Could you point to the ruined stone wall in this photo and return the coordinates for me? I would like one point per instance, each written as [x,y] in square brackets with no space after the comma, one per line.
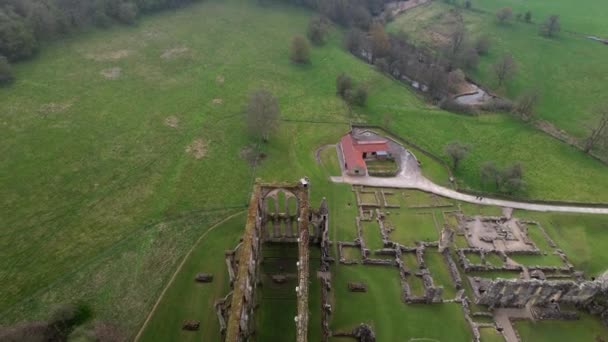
[304,226]
[519,293]
[240,318]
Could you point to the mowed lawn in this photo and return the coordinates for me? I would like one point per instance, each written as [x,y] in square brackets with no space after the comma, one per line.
[100,176]
[583,238]
[382,308]
[568,71]
[189,300]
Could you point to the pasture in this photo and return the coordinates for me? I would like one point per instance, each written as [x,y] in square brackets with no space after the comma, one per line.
[568,71]
[121,147]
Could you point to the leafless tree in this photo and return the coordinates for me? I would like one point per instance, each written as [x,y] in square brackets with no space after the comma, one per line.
[262,114]
[457,40]
[525,104]
[505,69]
[599,132]
[551,27]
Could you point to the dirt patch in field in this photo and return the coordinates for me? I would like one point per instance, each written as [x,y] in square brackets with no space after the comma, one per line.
[197,148]
[251,155]
[217,101]
[172,121]
[52,108]
[109,55]
[219,79]
[111,73]
[175,53]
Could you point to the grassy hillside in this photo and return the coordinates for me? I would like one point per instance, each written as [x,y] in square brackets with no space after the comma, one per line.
[121,147]
[587,16]
[568,71]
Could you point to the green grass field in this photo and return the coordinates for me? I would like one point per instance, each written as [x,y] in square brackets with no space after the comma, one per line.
[585,16]
[107,183]
[568,71]
[585,329]
[582,237]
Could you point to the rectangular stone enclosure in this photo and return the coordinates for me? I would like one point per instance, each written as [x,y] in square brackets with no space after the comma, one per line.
[278,213]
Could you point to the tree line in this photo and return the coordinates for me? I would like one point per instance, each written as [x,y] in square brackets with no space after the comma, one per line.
[24,24]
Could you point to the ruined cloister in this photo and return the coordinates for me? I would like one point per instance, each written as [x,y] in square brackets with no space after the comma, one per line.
[471,248]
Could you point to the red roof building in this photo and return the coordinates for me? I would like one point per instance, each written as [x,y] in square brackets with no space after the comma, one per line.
[355,152]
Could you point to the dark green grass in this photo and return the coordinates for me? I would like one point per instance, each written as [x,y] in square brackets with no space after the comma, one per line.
[490,334]
[371,235]
[542,260]
[381,307]
[588,328]
[411,226]
[440,272]
[582,237]
[186,299]
[494,259]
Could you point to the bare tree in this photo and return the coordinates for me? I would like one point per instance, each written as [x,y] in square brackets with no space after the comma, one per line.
[599,132]
[457,151]
[457,40]
[525,104]
[505,69]
[551,27]
[262,114]
[504,14]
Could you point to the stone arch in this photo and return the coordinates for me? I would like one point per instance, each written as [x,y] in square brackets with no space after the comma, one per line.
[281,198]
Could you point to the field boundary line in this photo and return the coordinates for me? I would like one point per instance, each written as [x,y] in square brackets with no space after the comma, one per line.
[179,268]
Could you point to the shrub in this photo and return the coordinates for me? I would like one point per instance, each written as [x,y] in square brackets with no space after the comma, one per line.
[343,84]
[498,105]
[504,14]
[354,41]
[356,97]
[300,51]
[6,72]
[127,13]
[482,45]
[451,105]
[382,65]
[317,30]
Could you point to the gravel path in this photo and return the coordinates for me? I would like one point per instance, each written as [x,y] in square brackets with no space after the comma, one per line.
[421,183]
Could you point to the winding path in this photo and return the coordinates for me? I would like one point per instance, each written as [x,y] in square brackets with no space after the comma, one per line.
[410,177]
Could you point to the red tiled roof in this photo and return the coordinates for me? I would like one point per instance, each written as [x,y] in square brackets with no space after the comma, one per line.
[352,157]
[353,150]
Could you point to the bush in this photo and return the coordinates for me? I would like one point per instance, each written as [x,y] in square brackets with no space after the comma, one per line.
[300,51]
[127,13]
[482,45]
[382,65]
[356,97]
[317,30]
[451,105]
[354,41]
[343,84]
[6,72]
[498,105]
[16,38]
